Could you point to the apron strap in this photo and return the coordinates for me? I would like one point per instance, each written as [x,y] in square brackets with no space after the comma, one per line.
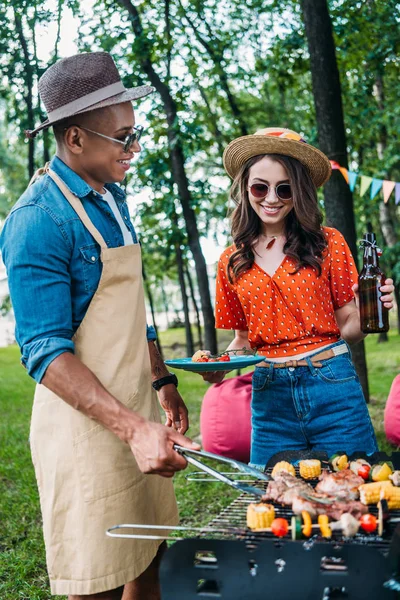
[76,205]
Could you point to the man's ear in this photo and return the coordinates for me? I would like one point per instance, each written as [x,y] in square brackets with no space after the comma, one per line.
[73,139]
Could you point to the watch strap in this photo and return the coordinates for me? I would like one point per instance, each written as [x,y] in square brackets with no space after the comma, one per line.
[159,383]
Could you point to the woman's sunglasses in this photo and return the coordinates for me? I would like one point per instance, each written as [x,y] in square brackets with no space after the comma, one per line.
[261,190]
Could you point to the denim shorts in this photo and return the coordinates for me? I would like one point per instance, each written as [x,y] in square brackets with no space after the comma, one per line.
[309,408]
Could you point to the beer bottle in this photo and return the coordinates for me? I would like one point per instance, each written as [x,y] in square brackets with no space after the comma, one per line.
[374,317]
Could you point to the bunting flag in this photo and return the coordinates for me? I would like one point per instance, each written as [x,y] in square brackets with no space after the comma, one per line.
[352,180]
[388,187]
[365,183]
[375,187]
[374,183]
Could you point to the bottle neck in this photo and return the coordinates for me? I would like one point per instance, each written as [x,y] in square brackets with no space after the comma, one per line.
[370,256]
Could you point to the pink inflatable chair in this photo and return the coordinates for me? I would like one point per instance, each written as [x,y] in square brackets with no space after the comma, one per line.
[392,413]
[225,418]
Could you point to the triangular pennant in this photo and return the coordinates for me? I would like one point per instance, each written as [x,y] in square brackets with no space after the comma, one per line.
[352,179]
[344,172]
[397,193]
[388,187]
[375,187]
[365,183]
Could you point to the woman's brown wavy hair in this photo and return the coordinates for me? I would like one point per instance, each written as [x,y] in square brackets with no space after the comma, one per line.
[305,240]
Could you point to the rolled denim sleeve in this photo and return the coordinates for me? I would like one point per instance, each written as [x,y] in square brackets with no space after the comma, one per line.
[37,256]
[151,333]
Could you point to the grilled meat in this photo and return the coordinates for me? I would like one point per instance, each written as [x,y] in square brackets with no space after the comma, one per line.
[321,504]
[343,485]
[285,488]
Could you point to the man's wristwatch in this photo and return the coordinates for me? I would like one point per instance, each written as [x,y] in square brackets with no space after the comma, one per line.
[159,383]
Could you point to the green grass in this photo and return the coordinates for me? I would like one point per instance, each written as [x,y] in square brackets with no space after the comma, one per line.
[22,564]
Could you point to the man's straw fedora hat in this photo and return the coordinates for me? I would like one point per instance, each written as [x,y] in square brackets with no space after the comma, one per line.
[277,140]
[82,83]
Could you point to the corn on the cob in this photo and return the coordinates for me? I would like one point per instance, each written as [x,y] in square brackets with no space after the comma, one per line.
[392,495]
[260,516]
[310,469]
[283,466]
[370,493]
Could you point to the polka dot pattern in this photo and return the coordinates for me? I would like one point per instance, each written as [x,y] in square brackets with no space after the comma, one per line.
[287,313]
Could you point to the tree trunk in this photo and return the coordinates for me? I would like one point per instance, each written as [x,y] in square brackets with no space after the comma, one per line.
[28,97]
[217,57]
[165,303]
[179,175]
[182,285]
[331,135]
[196,308]
[151,303]
[385,218]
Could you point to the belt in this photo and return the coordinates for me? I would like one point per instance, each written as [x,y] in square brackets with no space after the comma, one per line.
[315,359]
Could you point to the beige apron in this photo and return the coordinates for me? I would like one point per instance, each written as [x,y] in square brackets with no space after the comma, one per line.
[88,479]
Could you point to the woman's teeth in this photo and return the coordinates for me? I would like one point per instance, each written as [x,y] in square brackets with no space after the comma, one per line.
[271,211]
[125,162]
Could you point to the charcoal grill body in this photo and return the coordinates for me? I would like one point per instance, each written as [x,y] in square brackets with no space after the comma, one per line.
[273,571]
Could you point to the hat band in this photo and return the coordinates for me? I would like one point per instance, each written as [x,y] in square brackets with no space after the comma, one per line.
[80,104]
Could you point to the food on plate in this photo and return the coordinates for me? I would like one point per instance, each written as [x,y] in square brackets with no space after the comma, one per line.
[201,356]
[339,462]
[369,523]
[361,468]
[279,527]
[310,469]
[260,516]
[370,493]
[323,522]
[205,356]
[341,484]
[283,466]
[395,478]
[381,472]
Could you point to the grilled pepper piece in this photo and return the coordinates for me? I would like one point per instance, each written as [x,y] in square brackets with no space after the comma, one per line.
[323,522]
[307,523]
[339,462]
[381,472]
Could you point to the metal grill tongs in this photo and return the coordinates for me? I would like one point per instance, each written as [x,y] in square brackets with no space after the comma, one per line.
[239,485]
[160,531]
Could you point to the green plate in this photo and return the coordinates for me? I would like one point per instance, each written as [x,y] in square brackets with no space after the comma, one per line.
[236,362]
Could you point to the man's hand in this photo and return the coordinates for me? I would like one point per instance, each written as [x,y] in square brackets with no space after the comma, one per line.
[174,407]
[152,445]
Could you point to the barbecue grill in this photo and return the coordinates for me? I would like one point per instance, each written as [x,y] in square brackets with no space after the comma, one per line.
[226,560]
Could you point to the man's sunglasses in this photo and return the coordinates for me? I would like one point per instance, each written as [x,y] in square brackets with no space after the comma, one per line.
[261,190]
[128,140]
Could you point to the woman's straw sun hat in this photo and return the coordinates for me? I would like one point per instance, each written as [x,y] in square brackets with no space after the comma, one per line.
[277,140]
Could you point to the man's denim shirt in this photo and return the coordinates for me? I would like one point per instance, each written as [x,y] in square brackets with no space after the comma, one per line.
[53,263]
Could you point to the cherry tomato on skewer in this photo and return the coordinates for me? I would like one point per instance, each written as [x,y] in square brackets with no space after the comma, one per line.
[369,523]
[279,527]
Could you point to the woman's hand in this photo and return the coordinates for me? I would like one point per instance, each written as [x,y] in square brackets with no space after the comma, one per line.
[214,376]
[386,289]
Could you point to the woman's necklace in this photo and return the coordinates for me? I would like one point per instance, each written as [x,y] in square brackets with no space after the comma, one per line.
[272,239]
